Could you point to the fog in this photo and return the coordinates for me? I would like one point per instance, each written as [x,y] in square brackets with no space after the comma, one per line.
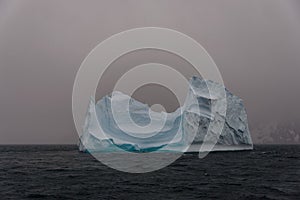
[255,44]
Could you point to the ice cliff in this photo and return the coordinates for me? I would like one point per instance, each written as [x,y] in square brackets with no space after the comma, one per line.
[132,126]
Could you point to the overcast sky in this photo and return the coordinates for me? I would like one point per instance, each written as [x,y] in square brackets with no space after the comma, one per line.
[255,44]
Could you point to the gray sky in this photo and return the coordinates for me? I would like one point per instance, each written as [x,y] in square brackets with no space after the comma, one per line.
[256,45]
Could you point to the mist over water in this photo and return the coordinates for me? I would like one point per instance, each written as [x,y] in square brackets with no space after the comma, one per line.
[254,43]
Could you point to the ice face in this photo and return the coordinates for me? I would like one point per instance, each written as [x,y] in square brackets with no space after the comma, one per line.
[132,126]
[235,130]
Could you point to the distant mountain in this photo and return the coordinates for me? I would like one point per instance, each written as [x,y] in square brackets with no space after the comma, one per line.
[276,133]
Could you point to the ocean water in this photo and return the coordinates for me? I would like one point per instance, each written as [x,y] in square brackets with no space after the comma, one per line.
[61,172]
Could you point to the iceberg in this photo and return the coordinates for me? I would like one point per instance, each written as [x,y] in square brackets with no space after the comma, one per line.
[119,123]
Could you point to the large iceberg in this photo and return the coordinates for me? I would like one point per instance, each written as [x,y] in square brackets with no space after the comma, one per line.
[120,123]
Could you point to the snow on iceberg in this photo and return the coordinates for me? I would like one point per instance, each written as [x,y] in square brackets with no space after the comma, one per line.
[133,127]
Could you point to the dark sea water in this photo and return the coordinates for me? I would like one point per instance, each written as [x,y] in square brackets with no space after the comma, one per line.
[61,172]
